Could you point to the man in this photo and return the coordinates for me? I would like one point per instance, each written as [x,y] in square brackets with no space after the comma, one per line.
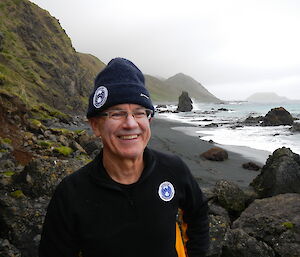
[126,201]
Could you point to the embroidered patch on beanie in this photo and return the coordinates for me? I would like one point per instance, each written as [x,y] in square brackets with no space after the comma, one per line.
[100,97]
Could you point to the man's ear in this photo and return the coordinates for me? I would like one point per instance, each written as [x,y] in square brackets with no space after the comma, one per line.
[94,123]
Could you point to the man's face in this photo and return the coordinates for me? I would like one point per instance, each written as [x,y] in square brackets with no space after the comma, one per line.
[125,138]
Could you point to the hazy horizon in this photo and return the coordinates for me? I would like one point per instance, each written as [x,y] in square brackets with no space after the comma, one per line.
[234,48]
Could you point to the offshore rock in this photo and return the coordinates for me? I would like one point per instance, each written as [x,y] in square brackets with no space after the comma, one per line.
[253,120]
[278,116]
[238,243]
[280,174]
[185,103]
[296,127]
[275,221]
[215,154]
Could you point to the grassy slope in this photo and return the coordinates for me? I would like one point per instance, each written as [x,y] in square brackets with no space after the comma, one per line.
[37,61]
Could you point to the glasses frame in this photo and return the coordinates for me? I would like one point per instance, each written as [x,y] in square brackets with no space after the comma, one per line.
[109,113]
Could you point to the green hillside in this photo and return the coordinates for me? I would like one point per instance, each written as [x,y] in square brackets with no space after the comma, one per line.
[169,90]
[38,63]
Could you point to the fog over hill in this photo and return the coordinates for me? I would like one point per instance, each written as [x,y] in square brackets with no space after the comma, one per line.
[267,97]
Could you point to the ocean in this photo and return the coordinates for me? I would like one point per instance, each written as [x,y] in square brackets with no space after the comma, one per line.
[229,132]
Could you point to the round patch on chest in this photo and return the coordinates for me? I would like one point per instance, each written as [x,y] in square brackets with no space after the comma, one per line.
[166,191]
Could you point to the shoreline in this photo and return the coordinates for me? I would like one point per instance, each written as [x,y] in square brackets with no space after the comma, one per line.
[181,139]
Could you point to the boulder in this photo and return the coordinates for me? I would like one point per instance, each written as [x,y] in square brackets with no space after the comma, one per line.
[184,103]
[275,221]
[253,120]
[280,174]
[215,154]
[41,176]
[278,116]
[238,243]
[218,226]
[91,144]
[295,127]
[251,166]
[230,196]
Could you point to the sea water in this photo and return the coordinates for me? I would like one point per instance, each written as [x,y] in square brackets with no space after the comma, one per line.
[229,129]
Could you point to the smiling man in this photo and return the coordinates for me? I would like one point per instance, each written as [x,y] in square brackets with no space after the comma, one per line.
[126,201]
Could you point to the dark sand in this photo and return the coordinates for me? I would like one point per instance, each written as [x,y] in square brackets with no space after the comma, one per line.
[182,140]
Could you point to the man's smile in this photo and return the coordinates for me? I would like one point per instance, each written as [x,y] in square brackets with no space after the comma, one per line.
[128,137]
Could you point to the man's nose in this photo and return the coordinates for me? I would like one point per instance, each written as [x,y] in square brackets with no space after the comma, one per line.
[130,121]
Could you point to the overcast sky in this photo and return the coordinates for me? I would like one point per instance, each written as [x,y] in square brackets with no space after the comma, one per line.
[234,48]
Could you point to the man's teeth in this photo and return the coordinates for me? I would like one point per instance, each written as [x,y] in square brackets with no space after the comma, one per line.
[129,137]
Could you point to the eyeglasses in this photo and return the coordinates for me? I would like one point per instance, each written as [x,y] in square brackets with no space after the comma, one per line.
[122,114]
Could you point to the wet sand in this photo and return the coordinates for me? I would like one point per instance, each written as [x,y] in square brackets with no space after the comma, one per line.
[182,140]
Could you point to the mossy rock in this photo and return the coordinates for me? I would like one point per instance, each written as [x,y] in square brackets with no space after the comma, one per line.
[84,157]
[6,141]
[63,150]
[36,124]
[288,225]
[8,173]
[46,143]
[62,131]
[17,194]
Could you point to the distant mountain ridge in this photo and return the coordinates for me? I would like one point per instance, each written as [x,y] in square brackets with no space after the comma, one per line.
[267,97]
[171,88]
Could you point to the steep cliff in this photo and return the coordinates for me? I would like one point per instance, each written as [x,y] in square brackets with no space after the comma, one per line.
[37,61]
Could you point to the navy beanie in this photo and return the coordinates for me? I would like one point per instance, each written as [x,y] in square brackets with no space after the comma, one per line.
[120,82]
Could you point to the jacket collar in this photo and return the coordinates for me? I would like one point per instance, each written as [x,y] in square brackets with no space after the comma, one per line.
[99,175]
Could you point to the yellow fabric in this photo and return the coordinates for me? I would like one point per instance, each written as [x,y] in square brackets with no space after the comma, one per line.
[179,243]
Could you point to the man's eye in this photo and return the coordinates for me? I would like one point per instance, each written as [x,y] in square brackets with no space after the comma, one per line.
[118,114]
[140,113]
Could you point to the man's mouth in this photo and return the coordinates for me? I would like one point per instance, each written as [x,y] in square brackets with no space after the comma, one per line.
[128,137]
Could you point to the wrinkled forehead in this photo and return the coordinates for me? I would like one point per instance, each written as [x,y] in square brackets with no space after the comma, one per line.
[125,107]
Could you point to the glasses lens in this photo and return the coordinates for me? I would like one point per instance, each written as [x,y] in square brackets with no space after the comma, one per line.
[117,114]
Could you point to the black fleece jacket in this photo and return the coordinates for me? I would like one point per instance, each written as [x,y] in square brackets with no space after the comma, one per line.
[93,215]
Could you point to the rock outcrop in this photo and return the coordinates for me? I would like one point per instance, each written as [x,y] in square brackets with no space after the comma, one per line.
[185,103]
[280,174]
[237,243]
[29,173]
[277,116]
[267,227]
[274,221]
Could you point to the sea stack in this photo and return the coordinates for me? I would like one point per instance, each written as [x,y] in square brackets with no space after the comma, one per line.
[185,103]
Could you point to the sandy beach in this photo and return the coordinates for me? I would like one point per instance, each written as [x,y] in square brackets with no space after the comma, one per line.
[182,140]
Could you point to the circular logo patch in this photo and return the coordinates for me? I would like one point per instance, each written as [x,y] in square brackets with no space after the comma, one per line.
[166,191]
[100,96]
